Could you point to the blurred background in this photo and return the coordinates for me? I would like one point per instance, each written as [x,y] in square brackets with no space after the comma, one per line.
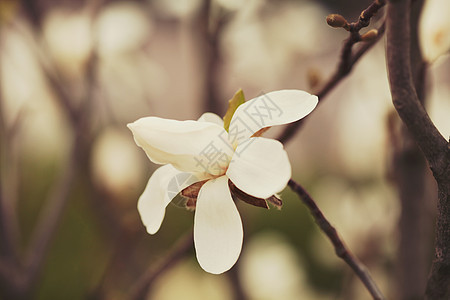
[74,73]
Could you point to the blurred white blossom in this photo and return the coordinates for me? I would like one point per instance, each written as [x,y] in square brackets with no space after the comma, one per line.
[434,30]
[116,162]
[271,269]
[27,99]
[176,8]
[190,284]
[68,34]
[270,37]
[122,27]
[359,214]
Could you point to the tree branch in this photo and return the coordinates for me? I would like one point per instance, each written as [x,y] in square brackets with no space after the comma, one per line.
[347,60]
[433,145]
[408,171]
[339,246]
[404,96]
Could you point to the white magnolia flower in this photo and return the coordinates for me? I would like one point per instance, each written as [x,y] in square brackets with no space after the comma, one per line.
[203,152]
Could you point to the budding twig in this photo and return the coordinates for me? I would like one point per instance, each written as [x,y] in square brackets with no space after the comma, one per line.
[341,250]
[348,58]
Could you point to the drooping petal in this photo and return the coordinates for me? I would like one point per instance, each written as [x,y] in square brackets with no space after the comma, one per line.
[211,118]
[260,167]
[190,146]
[218,229]
[164,184]
[274,108]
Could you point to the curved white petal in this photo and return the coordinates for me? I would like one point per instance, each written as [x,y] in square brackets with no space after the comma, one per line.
[274,108]
[190,146]
[164,184]
[260,167]
[218,229]
[211,118]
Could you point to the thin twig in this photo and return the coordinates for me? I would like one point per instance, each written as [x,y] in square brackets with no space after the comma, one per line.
[143,284]
[347,60]
[341,250]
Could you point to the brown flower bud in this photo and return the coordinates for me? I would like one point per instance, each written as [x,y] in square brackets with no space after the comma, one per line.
[337,21]
[369,35]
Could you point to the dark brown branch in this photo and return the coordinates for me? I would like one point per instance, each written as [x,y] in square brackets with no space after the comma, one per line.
[140,290]
[339,246]
[434,147]
[409,175]
[347,60]
[404,96]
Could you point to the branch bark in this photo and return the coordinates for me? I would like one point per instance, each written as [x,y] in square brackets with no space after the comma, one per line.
[410,176]
[404,96]
[433,145]
[341,250]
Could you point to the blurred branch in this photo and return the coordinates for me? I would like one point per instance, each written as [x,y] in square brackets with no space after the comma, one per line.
[433,145]
[236,282]
[22,277]
[48,65]
[211,29]
[25,274]
[143,284]
[9,226]
[339,247]
[33,12]
[347,59]
[51,214]
[54,208]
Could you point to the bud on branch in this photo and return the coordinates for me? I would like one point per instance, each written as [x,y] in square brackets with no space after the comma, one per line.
[337,21]
[369,35]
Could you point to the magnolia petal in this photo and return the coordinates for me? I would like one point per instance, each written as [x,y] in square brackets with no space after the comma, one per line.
[164,184]
[211,118]
[190,146]
[260,167]
[218,232]
[274,108]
